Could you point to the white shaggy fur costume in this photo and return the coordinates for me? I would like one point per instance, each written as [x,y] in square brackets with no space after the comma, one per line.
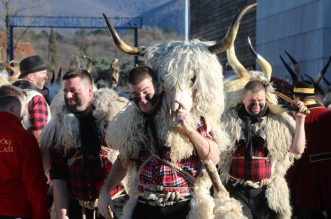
[187,72]
[63,129]
[279,130]
[176,64]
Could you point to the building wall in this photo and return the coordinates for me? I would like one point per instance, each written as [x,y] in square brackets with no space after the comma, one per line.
[301,27]
[210,19]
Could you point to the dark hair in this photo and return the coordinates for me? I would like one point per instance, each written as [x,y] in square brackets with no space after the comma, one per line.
[9,94]
[7,100]
[254,86]
[80,73]
[11,90]
[138,74]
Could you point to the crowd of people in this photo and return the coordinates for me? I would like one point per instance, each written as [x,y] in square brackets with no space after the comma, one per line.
[87,175]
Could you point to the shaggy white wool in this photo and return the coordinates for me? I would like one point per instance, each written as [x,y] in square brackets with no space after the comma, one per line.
[3,79]
[202,204]
[63,129]
[280,130]
[182,68]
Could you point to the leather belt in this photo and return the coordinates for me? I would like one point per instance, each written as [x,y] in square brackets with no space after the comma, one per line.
[320,157]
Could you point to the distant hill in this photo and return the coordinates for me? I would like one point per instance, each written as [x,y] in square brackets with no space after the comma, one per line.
[165,14]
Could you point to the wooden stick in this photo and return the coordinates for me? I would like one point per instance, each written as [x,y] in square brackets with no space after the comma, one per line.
[283,96]
[286,98]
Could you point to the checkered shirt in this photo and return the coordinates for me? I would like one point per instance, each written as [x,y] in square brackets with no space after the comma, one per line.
[38,113]
[156,172]
[84,181]
[257,169]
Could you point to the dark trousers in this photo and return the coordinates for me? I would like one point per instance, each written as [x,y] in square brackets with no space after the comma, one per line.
[146,211]
[254,201]
[75,211]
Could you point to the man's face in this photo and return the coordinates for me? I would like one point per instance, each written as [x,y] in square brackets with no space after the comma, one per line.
[77,94]
[254,102]
[142,93]
[39,78]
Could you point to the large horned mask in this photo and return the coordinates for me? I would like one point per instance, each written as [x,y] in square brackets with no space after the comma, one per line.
[188,72]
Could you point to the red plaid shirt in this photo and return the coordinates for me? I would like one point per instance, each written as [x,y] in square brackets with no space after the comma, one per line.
[156,172]
[257,169]
[84,182]
[38,113]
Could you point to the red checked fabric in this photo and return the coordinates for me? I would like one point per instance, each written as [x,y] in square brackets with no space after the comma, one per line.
[84,182]
[156,172]
[38,113]
[257,169]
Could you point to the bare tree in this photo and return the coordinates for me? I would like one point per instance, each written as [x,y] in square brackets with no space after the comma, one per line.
[20,8]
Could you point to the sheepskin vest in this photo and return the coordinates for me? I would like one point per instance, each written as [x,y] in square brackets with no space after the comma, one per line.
[63,129]
[30,95]
[132,121]
[279,130]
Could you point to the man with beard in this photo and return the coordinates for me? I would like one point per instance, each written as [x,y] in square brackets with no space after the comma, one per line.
[73,140]
[33,77]
[263,146]
[22,179]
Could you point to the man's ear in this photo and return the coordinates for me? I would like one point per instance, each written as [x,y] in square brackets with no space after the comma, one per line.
[29,77]
[13,107]
[90,90]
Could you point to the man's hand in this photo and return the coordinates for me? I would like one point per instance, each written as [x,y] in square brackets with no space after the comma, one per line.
[105,204]
[302,110]
[183,117]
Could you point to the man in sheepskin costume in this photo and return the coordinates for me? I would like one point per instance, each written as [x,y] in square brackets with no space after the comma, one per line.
[72,145]
[171,129]
[164,188]
[263,147]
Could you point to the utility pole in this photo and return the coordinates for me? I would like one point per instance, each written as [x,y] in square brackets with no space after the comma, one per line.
[7,30]
[187,19]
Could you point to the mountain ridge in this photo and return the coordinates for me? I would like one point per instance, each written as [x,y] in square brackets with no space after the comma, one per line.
[164,14]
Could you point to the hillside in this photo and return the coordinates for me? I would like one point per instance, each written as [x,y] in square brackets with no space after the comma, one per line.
[165,14]
[96,44]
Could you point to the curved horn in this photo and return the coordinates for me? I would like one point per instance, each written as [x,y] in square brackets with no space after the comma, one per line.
[53,77]
[115,73]
[121,45]
[264,64]
[59,74]
[15,72]
[310,78]
[228,43]
[10,69]
[88,66]
[326,81]
[293,74]
[320,75]
[295,63]
[230,36]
